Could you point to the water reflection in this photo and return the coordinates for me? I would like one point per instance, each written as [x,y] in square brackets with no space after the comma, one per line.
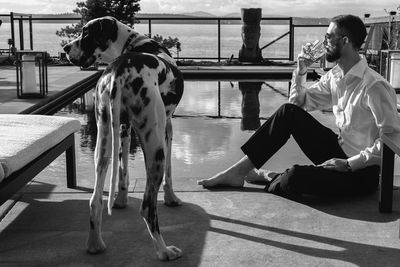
[250,105]
[84,106]
[224,99]
[248,101]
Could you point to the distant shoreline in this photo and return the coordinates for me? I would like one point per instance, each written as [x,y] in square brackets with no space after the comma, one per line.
[66,18]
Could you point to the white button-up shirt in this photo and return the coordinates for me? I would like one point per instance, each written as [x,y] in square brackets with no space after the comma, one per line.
[364,105]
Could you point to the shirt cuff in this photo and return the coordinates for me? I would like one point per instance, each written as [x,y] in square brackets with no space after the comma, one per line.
[299,79]
[356,162]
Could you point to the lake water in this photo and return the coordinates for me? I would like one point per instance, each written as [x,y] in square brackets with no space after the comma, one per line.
[197,40]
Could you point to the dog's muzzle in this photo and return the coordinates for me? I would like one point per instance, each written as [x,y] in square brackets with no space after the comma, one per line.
[79,59]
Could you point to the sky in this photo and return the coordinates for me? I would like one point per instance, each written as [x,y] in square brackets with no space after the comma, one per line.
[295,8]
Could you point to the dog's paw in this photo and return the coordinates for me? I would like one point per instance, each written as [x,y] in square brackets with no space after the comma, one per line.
[121,201]
[170,199]
[120,204]
[171,253]
[95,246]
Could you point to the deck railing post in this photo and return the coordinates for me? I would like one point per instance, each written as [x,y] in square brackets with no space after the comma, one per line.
[12,30]
[21,33]
[150,28]
[291,39]
[219,40]
[30,32]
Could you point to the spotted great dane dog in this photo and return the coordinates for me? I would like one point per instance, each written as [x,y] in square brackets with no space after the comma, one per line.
[140,88]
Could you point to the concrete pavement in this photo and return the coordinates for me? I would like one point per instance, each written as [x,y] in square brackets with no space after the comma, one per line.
[214,228]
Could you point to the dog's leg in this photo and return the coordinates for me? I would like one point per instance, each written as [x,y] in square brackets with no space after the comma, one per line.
[153,145]
[123,184]
[155,170]
[170,199]
[95,243]
[115,105]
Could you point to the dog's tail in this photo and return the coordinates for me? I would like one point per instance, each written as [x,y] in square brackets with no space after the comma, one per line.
[115,123]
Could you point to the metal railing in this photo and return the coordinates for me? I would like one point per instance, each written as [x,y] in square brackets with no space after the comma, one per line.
[28,17]
[20,18]
[219,20]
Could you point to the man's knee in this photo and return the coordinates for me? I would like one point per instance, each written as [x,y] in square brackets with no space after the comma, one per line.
[288,108]
[289,111]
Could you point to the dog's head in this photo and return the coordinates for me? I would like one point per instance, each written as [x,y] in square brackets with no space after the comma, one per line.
[93,43]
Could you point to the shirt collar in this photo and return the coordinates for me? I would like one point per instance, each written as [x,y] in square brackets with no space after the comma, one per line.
[357,70]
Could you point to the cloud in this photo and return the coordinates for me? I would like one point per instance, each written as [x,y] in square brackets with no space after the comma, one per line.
[37,6]
[311,8]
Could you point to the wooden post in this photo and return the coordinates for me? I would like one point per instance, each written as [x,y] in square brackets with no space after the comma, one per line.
[250,50]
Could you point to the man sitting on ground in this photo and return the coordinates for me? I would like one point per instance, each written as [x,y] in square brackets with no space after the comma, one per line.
[364,106]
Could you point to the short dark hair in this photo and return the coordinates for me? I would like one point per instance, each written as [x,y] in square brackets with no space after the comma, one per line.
[352,27]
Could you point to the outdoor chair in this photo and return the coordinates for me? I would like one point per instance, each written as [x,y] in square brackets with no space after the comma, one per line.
[28,144]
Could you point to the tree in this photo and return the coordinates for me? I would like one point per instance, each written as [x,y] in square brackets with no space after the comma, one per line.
[168,42]
[123,10]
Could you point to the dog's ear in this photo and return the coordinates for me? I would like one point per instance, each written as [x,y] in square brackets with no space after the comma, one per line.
[110,28]
[103,31]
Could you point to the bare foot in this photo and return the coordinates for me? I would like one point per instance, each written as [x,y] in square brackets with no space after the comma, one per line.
[260,176]
[222,179]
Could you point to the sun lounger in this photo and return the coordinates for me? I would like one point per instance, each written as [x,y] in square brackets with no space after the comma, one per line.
[28,144]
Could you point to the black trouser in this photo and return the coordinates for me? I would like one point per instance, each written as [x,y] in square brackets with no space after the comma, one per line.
[319,144]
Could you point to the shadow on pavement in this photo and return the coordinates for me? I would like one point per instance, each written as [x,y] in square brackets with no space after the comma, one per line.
[362,208]
[53,233]
[358,254]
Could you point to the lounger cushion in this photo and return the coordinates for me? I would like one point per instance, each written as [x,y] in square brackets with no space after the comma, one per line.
[25,137]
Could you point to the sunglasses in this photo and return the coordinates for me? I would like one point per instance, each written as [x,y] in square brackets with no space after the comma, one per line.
[329,37]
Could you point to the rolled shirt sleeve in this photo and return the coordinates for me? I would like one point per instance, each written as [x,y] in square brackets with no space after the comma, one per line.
[315,97]
[381,100]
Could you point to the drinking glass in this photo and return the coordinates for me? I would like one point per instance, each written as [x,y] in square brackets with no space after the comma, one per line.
[316,50]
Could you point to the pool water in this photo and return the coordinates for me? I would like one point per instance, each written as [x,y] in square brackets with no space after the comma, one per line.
[211,122]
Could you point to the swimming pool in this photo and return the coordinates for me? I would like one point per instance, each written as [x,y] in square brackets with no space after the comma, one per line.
[210,124]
